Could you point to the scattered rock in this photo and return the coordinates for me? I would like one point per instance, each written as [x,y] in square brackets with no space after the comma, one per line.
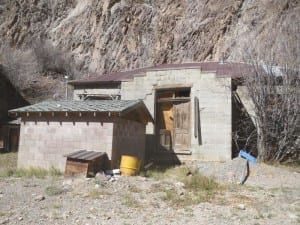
[65,215]
[113,179]
[39,198]
[156,185]
[143,178]
[181,192]
[67,182]
[241,206]
[293,216]
[85,195]
[30,185]
[4,221]
[101,177]
[240,170]
[125,201]
[179,184]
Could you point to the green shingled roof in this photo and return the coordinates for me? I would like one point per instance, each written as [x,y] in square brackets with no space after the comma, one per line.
[79,106]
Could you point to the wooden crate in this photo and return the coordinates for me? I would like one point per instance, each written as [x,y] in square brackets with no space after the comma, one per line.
[85,162]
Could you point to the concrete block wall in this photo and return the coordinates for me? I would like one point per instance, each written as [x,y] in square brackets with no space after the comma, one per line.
[128,139]
[44,144]
[214,95]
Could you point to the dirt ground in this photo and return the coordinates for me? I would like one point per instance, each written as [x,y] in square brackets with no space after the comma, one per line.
[271,195]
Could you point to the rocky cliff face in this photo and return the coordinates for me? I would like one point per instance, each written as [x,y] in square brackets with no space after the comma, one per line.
[113,35]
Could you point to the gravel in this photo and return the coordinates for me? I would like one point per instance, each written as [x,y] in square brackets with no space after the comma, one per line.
[270,196]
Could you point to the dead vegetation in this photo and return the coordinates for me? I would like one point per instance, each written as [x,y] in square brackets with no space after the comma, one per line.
[39,71]
[273,86]
[8,168]
[8,161]
[52,59]
[54,190]
[191,187]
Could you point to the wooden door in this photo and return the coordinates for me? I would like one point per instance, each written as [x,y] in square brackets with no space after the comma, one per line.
[166,117]
[165,125]
[181,131]
[14,139]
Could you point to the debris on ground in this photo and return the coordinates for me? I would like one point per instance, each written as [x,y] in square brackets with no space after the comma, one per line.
[268,192]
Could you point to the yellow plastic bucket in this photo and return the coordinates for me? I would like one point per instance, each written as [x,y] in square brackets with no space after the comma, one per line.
[130,165]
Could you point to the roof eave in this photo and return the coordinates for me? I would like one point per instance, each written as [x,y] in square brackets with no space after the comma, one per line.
[88,82]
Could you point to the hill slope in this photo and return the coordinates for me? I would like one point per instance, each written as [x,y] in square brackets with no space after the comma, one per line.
[112,35]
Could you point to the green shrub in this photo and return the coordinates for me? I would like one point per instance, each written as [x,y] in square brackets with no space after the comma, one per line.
[54,190]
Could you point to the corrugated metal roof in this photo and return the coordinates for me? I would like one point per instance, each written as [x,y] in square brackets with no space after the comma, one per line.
[85,155]
[221,69]
[80,106]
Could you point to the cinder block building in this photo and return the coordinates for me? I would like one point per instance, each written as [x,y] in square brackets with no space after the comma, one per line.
[50,130]
[168,113]
[191,104]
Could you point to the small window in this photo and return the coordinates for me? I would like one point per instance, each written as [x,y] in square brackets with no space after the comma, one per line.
[165,94]
[182,93]
[173,94]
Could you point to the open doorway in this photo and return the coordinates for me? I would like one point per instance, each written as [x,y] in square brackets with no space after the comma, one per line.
[173,120]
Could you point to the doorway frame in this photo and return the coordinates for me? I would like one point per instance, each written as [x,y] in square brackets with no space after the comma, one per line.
[174,89]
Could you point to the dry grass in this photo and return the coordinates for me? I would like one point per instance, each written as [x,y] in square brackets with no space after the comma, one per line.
[198,188]
[54,190]
[130,201]
[98,194]
[191,177]
[157,172]
[8,160]
[3,213]
[8,167]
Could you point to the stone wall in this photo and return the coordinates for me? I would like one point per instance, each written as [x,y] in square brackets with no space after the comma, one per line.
[44,144]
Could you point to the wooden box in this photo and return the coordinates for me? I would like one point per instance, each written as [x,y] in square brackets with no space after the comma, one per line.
[85,162]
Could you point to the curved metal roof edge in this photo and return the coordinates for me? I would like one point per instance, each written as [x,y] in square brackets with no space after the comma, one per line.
[213,66]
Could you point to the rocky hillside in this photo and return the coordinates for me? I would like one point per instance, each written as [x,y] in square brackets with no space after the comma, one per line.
[112,35]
